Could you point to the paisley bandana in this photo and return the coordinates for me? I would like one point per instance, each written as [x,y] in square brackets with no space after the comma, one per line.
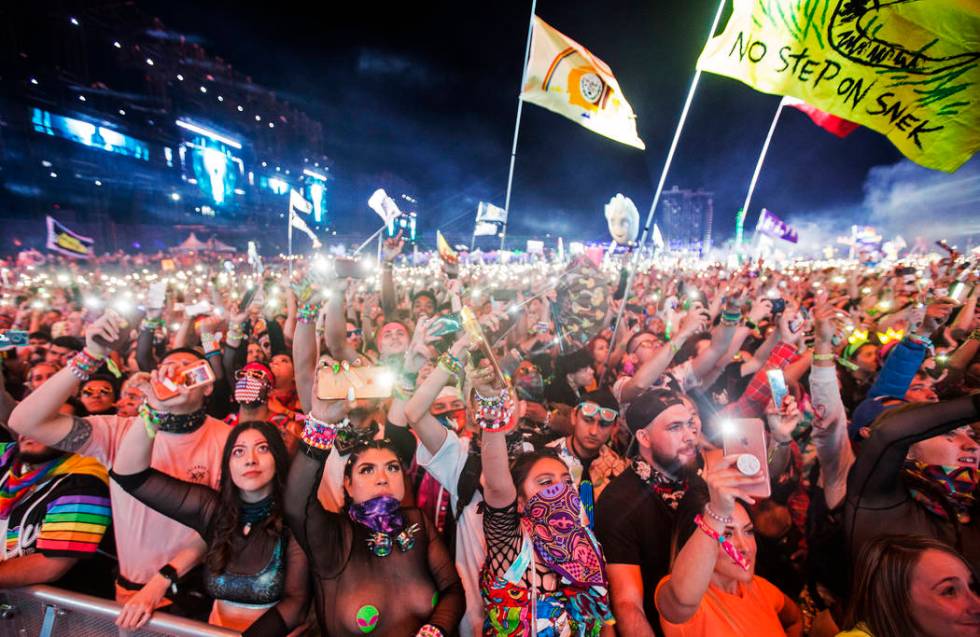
[251,392]
[670,491]
[382,514]
[560,540]
[932,484]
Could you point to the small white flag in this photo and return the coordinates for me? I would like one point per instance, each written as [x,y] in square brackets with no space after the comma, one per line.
[489,212]
[298,203]
[658,239]
[384,206]
[485,229]
[297,222]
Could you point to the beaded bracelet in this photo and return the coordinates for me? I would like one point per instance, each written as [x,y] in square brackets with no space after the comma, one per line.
[83,364]
[974,335]
[319,434]
[430,630]
[708,511]
[150,420]
[308,313]
[450,364]
[726,546]
[496,413]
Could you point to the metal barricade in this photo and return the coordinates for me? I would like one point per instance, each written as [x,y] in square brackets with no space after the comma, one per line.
[44,611]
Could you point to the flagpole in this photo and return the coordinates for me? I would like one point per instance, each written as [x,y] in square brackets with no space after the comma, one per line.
[758,166]
[289,240]
[517,124]
[663,174]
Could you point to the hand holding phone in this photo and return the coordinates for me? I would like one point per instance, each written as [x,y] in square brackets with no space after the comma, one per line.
[745,441]
[167,385]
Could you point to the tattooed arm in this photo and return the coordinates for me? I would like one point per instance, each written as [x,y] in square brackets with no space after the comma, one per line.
[37,415]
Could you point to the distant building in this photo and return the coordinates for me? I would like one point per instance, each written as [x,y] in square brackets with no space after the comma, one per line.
[685,219]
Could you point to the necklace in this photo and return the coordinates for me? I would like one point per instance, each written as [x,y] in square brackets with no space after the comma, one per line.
[252,513]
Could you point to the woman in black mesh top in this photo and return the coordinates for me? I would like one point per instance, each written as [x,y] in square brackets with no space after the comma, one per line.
[378,567]
[255,569]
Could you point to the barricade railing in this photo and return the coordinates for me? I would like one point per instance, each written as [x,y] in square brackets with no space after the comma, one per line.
[44,611]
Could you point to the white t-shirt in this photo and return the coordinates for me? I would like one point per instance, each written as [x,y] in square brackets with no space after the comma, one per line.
[471,547]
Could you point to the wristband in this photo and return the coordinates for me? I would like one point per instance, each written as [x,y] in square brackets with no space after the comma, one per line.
[170,573]
[726,546]
[495,414]
[824,357]
[308,313]
[319,434]
[150,420]
[974,335]
[751,325]
[450,364]
[83,364]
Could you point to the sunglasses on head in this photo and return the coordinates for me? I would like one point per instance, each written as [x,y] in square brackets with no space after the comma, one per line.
[251,373]
[591,410]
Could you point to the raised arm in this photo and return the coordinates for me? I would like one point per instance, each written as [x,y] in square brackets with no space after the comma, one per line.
[679,599]
[499,490]
[830,424]
[876,477]
[449,610]
[431,434]
[37,415]
[654,368]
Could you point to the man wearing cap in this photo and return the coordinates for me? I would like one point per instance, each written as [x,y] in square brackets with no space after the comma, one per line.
[635,515]
[591,462]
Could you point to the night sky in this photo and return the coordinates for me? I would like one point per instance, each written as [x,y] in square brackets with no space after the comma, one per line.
[427,91]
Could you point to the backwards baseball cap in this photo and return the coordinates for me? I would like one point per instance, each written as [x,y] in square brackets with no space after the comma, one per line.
[650,404]
[868,411]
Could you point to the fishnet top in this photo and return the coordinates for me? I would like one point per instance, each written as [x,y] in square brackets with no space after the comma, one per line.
[505,538]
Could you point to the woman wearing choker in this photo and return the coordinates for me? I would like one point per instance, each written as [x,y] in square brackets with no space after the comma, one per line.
[378,567]
[254,568]
[545,573]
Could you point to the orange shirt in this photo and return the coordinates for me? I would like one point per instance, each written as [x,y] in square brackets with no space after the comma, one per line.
[753,611]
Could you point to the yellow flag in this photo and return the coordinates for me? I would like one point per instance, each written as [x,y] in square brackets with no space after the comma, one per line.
[907,69]
[565,78]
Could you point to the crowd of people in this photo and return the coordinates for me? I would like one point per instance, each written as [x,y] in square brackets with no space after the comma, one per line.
[533,448]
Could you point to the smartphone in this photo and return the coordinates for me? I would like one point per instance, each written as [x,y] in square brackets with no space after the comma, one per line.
[777,385]
[16,338]
[348,268]
[247,298]
[200,373]
[197,309]
[156,295]
[355,382]
[748,436]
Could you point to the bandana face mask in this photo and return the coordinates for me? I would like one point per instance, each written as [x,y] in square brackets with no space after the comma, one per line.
[560,541]
[453,420]
[251,392]
[956,485]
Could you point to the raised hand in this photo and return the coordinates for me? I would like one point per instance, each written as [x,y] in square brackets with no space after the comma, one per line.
[725,485]
[104,331]
[783,421]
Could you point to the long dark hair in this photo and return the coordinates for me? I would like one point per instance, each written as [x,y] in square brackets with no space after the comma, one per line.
[229,495]
[881,590]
